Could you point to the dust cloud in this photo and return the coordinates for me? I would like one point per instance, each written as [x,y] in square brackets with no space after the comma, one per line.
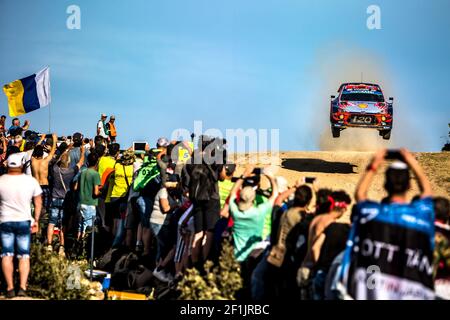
[338,64]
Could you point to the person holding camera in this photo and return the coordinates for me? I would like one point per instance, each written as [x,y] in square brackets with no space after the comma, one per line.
[248,220]
[274,276]
[397,177]
[200,179]
[39,169]
[63,176]
[393,239]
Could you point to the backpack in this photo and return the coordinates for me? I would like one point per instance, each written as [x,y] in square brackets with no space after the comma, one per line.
[126,263]
[146,173]
[109,259]
[202,180]
[288,221]
[140,278]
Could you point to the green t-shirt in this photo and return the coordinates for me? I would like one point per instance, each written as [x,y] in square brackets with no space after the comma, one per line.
[248,227]
[88,179]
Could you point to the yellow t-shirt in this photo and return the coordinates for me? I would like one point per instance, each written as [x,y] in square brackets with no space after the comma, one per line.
[120,183]
[104,163]
[107,162]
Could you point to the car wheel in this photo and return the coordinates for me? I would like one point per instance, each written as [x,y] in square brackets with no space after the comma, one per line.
[386,134]
[336,132]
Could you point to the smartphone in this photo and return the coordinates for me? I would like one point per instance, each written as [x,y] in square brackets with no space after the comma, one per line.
[310,179]
[257,171]
[393,155]
[139,146]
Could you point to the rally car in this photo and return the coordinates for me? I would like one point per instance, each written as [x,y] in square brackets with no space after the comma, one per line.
[361,105]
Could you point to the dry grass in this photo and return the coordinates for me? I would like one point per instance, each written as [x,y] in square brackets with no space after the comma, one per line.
[437,168]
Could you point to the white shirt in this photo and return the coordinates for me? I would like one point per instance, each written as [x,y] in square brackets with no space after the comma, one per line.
[102,129]
[27,160]
[16,194]
[157,216]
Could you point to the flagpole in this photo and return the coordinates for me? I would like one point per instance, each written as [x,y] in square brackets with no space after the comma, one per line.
[49,108]
[49,119]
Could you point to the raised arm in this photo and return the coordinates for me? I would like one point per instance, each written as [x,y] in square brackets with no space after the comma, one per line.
[53,150]
[26,125]
[286,194]
[238,184]
[274,185]
[367,176]
[41,139]
[424,183]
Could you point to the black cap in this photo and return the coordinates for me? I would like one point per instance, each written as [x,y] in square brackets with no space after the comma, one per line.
[77,137]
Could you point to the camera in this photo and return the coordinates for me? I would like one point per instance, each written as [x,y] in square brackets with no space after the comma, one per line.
[394,155]
[139,147]
[310,179]
[257,171]
[252,181]
[213,148]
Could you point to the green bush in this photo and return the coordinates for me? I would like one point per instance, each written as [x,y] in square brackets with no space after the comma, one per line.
[56,278]
[219,283]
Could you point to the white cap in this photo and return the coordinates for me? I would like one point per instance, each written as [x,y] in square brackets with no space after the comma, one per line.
[16,160]
[162,142]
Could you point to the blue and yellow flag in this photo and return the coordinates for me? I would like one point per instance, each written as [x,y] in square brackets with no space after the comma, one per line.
[28,94]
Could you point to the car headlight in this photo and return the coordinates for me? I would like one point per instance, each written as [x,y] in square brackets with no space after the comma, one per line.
[383,118]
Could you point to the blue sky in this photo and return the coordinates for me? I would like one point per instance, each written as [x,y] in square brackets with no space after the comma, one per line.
[161,65]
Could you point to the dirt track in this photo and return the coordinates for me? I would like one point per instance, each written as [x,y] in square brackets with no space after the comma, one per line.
[342,169]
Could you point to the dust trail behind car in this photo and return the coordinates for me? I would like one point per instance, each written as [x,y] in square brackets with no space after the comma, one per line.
[349,65]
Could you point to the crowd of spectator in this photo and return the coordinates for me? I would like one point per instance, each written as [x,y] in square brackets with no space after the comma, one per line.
[175,203]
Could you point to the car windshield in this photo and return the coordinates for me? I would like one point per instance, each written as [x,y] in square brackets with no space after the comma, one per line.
[359,96]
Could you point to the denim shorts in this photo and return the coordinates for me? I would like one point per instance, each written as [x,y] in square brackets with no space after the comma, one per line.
[46,197]
[145,207]
[87,217]
[16,238]
[56,213]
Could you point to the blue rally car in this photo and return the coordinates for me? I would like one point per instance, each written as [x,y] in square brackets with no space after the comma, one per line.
[361,105]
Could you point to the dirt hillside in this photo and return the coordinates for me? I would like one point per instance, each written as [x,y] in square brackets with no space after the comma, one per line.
[342,169]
